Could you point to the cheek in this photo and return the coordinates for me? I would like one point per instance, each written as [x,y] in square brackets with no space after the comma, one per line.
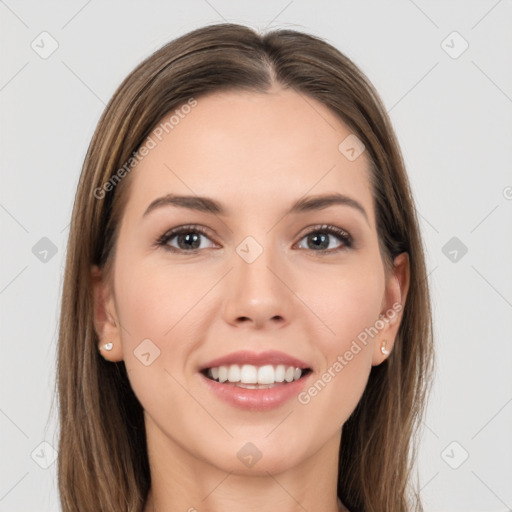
[348,304]
[347,351]
[345,301]
[155,302]
[153,308]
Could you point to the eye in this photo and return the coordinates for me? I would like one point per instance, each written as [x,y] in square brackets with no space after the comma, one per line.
[188,239]
[322,236]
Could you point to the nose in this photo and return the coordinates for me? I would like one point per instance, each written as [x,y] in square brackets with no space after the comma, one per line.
[259,293]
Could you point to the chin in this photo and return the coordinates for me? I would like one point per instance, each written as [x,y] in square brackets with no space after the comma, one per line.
[258,456]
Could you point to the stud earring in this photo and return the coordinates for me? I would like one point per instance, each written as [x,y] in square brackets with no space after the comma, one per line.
[383,348]
[108,346]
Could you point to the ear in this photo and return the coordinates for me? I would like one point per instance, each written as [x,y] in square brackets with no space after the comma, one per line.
[397,287]
[106,324]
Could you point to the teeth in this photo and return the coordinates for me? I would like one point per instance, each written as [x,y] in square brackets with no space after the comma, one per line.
[250,374]
[266,374]
[288,376]
[234,373]
[279,373]
[223,373]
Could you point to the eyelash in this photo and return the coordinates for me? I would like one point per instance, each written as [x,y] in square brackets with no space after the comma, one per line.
[343,236]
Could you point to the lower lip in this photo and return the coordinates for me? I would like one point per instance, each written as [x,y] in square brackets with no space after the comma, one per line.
[257,399]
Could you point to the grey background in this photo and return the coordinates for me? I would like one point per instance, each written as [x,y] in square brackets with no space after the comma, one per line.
[453,120]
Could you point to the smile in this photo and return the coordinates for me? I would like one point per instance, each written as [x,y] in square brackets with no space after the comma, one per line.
[256,395]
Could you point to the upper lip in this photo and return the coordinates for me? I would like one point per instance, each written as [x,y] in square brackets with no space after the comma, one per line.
[272,357]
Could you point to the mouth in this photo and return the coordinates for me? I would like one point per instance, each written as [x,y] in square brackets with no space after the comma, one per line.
[249,376]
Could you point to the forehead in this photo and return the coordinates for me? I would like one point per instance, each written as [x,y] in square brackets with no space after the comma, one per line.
[251,150]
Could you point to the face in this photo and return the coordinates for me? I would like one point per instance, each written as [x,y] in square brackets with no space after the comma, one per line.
[251,274]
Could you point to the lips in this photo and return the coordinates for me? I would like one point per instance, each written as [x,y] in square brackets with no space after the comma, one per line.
[256,381]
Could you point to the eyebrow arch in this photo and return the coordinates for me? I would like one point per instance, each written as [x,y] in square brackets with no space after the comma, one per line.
[319,202]
[207,205]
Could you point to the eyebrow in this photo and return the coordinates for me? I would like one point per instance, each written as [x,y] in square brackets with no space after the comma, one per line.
[208,205]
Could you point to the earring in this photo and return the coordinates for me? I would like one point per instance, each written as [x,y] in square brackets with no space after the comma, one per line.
[108,346]
[383,348]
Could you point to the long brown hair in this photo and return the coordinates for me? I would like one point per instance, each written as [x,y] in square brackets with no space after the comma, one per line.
[103,462]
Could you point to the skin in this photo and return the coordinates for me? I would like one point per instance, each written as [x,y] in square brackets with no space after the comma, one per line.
[256,154]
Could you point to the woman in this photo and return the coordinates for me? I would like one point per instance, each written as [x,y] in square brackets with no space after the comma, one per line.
[244,255]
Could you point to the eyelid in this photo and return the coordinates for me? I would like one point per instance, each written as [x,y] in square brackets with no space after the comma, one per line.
[324,227]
